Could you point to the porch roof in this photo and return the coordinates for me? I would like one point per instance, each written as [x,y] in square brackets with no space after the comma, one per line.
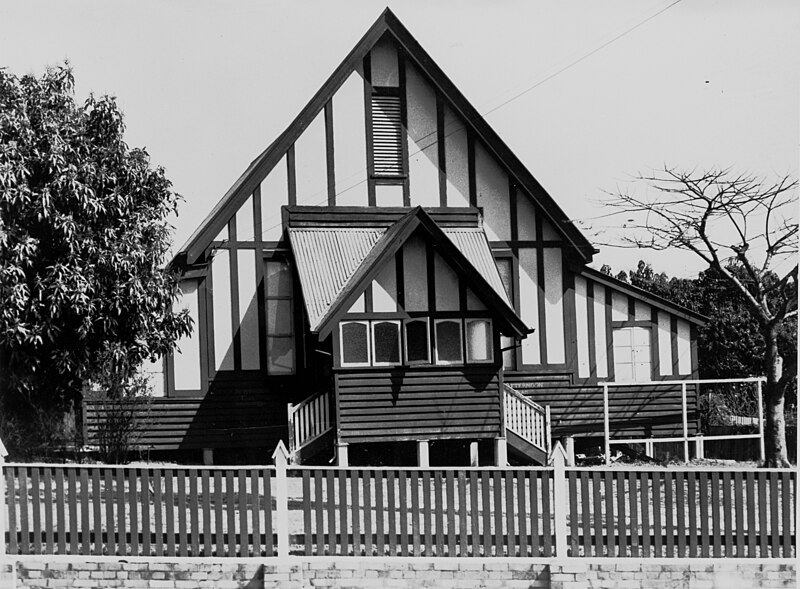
[335,264]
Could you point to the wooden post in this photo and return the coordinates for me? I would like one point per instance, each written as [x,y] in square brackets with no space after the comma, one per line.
[341,454]
[423,453]
[761,423]
[699,447]
[3,506]
[569,449]
[500,452]
[558,461]
[685,411]
[473,453]
[290,421]
[208,456]
[606,425]
[548,433]
[281,458]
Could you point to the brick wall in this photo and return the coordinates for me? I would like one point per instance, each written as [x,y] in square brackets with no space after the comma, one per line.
[401,573]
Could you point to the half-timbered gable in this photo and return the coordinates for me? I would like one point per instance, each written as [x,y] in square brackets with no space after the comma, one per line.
[389,249]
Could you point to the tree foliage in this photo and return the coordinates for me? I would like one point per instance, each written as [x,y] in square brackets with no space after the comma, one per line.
[745,229]
[83,240]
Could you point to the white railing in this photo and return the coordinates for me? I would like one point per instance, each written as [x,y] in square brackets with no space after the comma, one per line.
[685,438]
[527,419]
[308,420]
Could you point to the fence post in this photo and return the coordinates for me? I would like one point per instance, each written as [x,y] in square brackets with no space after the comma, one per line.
[558,461]
[685,411]
[606,426]
[3,506]
[281,458]
[761,423]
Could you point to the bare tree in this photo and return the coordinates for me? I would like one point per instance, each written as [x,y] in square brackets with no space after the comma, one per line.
[745,227]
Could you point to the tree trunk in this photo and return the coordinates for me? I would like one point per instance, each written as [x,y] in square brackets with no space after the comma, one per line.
[775,430]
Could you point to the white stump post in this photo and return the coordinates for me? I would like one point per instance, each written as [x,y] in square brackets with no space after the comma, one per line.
[3,506]
[342,459]
[473,454]
[685,411]
[606,426]
[761,423]
[423,454]
[500,452]
[558,460]
[281,458]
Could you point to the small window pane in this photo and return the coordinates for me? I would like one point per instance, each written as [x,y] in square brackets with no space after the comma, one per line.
[448,341]
[355,348]
[417,341]
[479,340]
[280,355]
[279,317]
[387,342]
[509,356]
[279,278]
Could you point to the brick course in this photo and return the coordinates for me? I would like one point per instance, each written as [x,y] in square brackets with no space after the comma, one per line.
[365,573]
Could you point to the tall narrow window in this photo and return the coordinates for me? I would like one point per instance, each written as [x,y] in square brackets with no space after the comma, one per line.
[448,341]
[506,268]
[479,340]
[418,350]
[280,323]
[386,342]
[387,135]
[354,343]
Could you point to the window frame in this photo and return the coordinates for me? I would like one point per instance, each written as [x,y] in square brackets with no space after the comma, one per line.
[371,351]
[428,360]
[490,343]
[366,323]
[268,336]
[436,360]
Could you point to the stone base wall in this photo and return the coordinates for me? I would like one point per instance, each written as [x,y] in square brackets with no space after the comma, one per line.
[296,573]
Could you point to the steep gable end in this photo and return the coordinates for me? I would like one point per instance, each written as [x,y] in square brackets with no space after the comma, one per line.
[388,128]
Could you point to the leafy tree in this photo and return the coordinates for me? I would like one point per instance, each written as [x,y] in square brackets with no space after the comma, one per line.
[745,229]
[83,239]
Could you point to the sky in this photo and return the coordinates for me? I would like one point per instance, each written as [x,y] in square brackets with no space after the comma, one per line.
[587,94]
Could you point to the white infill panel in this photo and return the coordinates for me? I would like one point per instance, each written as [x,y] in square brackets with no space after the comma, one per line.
[582,326]
[186,359]
[223,333]
[350,143]
[684,348]
[455,147]
[274,194]
[600,335]
[311,165]
[619,307]
[245,229]
[526,218]
[529,304]
[664,344]
[423,145]
[383,61]
[446,290]
[384,289]
[492,187]
[554,306]
[248,309]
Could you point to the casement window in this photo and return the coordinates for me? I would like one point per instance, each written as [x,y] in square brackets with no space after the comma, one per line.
[632,354]
[418,341]
[386,343]
[479,340]
[387,135]
[278,293]
[447,334]
[354,343]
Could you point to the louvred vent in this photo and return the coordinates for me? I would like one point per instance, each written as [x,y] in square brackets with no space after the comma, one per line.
[387,136]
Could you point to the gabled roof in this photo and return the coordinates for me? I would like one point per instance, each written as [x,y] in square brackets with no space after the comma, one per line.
[387,22]
[336,265]
[648,297]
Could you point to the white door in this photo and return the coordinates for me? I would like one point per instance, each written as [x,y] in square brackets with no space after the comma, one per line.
[632,360]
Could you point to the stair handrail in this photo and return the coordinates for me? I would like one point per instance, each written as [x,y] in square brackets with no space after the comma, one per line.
[538,432]
[308,420]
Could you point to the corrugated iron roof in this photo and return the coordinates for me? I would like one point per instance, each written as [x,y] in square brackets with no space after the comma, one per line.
[473,243]
[326,259]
